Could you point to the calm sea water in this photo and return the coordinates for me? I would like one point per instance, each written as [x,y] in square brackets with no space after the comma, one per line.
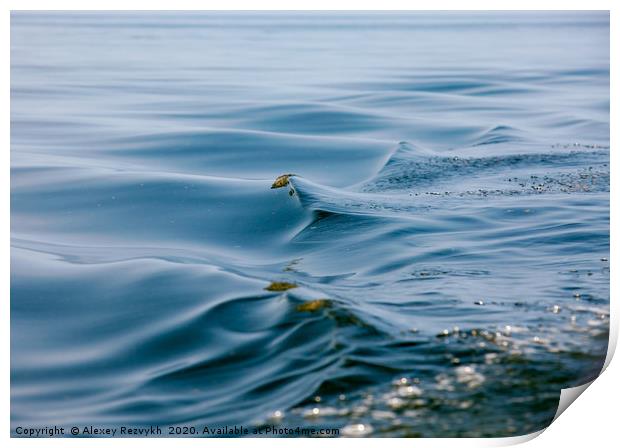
[447,228]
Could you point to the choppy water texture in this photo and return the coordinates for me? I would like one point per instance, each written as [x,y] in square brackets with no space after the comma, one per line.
[446,230]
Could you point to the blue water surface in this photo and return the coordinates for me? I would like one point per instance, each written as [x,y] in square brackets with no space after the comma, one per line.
[446,227]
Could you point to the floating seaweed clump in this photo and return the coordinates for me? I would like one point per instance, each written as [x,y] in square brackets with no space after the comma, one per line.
[280,286]
[314,305]
[281,181]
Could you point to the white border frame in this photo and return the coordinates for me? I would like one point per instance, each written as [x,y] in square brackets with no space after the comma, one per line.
[591,421]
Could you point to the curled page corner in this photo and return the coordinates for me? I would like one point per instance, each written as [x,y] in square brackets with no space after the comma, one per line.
[517,440]
[568,396]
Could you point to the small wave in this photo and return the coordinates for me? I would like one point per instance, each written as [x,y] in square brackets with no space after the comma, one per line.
[400,186]
[498,134]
